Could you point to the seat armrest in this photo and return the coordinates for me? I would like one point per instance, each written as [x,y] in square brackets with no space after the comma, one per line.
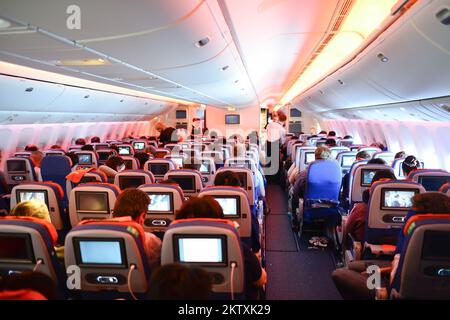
[380,249]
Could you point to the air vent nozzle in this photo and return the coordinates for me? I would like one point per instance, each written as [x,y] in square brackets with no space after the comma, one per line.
[444,16]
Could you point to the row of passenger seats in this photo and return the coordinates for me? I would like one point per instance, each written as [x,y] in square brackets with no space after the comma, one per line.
[110,253]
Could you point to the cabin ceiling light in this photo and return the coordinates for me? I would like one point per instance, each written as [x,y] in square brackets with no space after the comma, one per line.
[85,62]
[4,24]
[355,29]
[231,109]
[382,57]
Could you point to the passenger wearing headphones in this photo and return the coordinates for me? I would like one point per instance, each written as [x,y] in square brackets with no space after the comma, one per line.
[409,165]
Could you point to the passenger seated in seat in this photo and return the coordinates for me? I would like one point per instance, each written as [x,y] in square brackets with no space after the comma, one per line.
[80,142]
[330,142]
[115,163]
[231,179]
[208,207]
[36,157]
[31,148]
[95,139]
[357,218]
[351,282]
[376,161]
[360,156]
[410,164]
[142,158]
[179,282]
[87,147]
[27,285]
[38,210]
[321,153]
[400,155]
[132,205]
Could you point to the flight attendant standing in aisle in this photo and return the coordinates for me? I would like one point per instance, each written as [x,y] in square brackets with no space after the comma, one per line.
[276,135]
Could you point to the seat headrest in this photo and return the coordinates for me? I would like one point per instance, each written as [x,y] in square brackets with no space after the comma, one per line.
[23,294]
[133,227]
[412,222]
[47,225]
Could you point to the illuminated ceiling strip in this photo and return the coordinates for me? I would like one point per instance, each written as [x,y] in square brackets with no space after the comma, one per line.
[112,59]
[350,30]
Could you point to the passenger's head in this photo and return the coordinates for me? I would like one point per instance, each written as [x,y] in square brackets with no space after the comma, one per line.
[115,163]
[133,203]
[73,157]
[376,161]
[31,208]
[36,157]
[80,142]
[330,142]
[179,282]
[348,137]
[400,155]
[168,135]
[159,127]
[142,157]
[193,165]
[380,175]
[322,153]
[332,134]
[56,147]
[205,207]
[227,178]
[31,280]
[323,132]
[383,175]
[31,148]
[239,150]
[169,182]
[95,139]
[410,164]
[431,202]
[362,155]
[87,147]
[281,116]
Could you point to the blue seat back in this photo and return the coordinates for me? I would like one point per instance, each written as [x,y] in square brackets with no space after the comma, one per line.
[56,169]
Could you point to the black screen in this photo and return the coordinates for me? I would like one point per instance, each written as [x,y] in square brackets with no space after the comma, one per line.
[158,169]
[16,247]
[232,119]
[295,112]
[180,114]
[92,202]
[130,182]
[16,165]
[433,183]
[103,156]
[185,183]
[436,245]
